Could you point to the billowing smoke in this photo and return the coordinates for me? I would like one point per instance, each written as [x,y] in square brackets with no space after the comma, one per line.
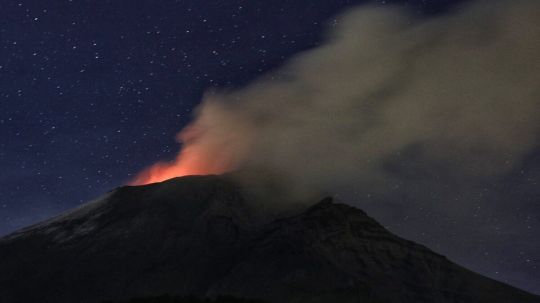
[460,92]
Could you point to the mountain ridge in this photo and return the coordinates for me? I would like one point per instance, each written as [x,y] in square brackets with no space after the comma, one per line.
[198,235]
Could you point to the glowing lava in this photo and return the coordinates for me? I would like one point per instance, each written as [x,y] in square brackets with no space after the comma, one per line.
[189,162]
[217,141]
[197,157]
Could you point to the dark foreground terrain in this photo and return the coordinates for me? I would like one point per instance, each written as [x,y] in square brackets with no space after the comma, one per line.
[199,236]
[186,299]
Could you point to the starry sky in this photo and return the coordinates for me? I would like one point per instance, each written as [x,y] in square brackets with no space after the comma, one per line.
[91,92]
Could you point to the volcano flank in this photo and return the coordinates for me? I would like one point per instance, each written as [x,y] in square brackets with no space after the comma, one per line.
[200,235]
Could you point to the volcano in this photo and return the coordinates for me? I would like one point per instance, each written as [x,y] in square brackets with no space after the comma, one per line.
[199,235]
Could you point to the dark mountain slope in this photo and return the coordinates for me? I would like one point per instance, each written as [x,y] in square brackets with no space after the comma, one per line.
[197,235]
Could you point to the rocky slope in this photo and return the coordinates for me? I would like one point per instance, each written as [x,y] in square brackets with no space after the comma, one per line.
[197,235]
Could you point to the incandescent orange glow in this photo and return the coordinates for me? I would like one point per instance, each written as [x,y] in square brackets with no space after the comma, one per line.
[197,157]
[191,161]
[217,141]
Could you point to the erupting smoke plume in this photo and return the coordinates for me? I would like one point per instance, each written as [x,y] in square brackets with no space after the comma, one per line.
[462,90]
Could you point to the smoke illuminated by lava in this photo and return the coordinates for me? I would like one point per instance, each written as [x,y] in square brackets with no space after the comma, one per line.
[195,159]
[461,90]
[191,161]
[207,147]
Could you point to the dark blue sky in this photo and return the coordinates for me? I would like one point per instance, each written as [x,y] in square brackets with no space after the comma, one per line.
[91,92]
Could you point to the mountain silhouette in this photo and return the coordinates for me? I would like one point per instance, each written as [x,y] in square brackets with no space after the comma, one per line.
[199,235]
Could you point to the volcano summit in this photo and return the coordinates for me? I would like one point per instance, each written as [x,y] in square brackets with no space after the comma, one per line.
[199,235]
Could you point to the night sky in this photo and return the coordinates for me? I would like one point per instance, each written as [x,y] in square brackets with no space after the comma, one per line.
[91,92]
